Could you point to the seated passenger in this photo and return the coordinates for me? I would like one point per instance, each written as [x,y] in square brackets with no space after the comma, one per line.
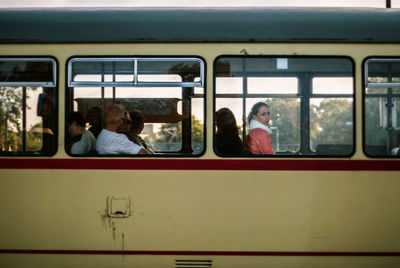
[80,141]
[137,125]
[111,140]
[227,140]
[258,141]
[395,151]
[94,119]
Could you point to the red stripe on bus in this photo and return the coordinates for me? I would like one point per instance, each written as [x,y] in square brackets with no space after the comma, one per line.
[199,164]
[200,253]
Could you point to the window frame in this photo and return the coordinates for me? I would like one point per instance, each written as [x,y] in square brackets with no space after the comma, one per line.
[54,108]
[135,84]
[32,84]
[300,94]
[365,85]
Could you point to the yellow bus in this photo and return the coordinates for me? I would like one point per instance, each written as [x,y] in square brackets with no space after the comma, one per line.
[328,196]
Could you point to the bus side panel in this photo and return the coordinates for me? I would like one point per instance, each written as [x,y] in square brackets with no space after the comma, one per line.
[258,211]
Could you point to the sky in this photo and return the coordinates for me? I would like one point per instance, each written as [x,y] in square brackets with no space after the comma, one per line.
[198,3]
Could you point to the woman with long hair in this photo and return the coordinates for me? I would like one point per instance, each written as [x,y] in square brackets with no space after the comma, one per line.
[227,140]
[258,141]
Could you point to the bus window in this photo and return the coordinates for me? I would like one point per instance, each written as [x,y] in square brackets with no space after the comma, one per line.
[310,101]
[169,92]
[382,107]
[28,106]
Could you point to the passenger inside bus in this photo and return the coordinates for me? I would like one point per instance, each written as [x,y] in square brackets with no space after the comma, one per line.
[258,141]
[227,140]
[80,141]
[137,125]
[111,139]
[125,127]
[94,119]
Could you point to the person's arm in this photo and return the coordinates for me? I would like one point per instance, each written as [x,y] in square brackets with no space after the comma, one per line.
[265,143]
[144,151]
[129,147]
[79,147]
[259,142]
[251,143]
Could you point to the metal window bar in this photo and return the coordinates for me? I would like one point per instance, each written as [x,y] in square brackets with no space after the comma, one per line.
[382,85]
[113,77]
[271,96]
[244,118]
[135,83]
[135,70]
[102,95]
[24,108]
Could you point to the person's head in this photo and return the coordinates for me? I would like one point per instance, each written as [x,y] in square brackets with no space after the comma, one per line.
[260,112]
[137,124]
[76,124]
[225,121]
[93,116]
[116,118]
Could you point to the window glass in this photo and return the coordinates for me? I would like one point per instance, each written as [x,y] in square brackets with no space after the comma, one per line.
[27,71]
[183,70]
[28,106]
[167,92]
[333,85]
[309,99]
[382,107]
[382,70]
[379,90]
[90,70]
[285,129]
[229,85]
[272,85]
[331,123]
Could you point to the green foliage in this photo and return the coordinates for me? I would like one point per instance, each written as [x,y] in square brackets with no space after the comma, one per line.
[375,135]
[285,115]
[11,106]
[332,122]
[10,117]
[34,138]
[197,130]
[11,129]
